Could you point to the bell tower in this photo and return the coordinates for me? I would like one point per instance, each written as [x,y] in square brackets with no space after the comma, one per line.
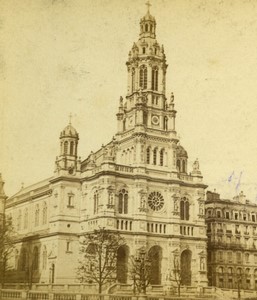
[146,104]
[68,161]
[146,116]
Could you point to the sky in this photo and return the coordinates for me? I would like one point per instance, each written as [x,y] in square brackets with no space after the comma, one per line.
[68,56]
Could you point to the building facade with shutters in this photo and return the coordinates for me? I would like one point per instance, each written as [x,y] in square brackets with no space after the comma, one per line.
[232,242]
[138,184]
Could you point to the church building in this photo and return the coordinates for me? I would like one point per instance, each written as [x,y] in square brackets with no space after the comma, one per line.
[139,184]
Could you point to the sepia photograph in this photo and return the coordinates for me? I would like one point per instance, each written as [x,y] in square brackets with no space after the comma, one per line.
[128,149]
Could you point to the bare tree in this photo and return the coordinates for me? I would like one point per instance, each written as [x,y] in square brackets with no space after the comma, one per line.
[177,273]
[141,271]
[6,246]
[99,257]
[29,259]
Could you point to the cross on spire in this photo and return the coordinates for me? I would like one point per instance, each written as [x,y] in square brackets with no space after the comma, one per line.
[148,4]
[70,116]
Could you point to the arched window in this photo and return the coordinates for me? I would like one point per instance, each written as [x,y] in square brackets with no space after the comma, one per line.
[184,209]
[71,148]
[96,202]
[44,258]
[122,264]
[145,118]
[23,259]
[161,157]
[44,213]
[65,147]
[133,80]
[178,165]
[146,27]
[35,259]
[165,123]
[148,151]
[19,220]
[143,77]
[143,50]
[183,166]
[123,202]
[155,156]
[37,215]
[155,79]
[16,256]
[26,216]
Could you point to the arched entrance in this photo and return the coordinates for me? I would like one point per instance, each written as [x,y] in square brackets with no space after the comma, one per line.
[122,264]
[155,257]
[185,263]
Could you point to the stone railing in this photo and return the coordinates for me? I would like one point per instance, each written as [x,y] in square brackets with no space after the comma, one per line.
[50,295]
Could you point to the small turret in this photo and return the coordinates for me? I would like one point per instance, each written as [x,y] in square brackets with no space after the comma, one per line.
[68,159]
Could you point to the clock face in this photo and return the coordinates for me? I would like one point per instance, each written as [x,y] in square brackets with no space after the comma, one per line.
[155,120]
[155,201]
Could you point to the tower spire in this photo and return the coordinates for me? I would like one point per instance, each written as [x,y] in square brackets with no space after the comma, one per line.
[148,4]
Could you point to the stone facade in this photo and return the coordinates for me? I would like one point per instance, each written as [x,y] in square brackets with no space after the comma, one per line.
[137,184]
[232,242]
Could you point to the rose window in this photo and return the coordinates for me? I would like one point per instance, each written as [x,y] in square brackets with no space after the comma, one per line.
[155,201]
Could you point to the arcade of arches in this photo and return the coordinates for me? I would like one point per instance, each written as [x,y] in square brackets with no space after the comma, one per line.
[155,257]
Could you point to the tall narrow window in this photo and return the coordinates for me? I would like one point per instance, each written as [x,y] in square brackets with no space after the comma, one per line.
[123,202]
[96,202]
[26,216]
[35,259]
[145,118]
[71,148]
[148,155]
[155,79]
[178,165]
[161,157]
[165,123]
[143,77]
[184,209]
[183,166]
[70,200]
[44,258]
[23,259]
[133,80]
[44,214]
[19,220]
[37,215]
[65,147]
[155,156]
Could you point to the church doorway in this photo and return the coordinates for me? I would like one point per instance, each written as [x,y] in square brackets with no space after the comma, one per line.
[185,263]
[155,257]
[122,264]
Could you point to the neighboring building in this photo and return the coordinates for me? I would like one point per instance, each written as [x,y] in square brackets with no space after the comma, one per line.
[137,184]
[3,198]
[232,242]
